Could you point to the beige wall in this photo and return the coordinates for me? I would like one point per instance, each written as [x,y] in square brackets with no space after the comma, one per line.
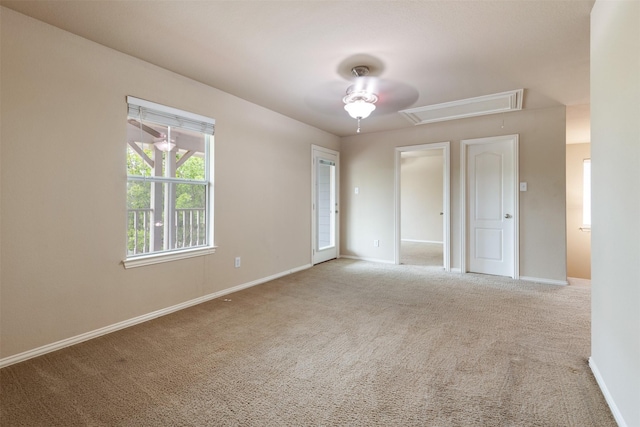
[421,202]
[64,180]
[368,163]
[615,238]
[578,241]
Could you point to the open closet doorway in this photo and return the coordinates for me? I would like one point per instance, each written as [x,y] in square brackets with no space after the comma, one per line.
[423,205]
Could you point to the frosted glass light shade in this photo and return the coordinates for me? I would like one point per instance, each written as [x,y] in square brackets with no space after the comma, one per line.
[164,145]
[359,109]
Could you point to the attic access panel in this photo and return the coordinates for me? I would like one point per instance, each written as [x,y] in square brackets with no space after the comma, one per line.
[470,107]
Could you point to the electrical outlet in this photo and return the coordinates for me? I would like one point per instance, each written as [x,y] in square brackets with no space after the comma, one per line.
[376,243]
[237,262]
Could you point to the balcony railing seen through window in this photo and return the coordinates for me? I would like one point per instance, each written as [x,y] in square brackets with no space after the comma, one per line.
[189,230]
[168,179]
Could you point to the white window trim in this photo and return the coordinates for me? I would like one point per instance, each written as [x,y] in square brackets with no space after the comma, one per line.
[199,123]
[161,257]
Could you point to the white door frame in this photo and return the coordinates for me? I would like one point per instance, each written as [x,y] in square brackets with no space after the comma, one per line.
[314,149]
[446,195]
[464,145]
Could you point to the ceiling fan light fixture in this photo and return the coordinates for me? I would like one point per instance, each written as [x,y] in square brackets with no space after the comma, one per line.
[359,102]
[163,144]
[359,109]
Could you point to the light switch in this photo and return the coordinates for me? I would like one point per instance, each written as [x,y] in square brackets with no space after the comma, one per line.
[523,186]
[357,190]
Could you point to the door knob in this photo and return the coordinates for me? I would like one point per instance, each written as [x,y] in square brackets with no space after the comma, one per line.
[507,216]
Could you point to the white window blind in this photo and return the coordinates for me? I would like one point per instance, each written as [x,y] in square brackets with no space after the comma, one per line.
[168,116]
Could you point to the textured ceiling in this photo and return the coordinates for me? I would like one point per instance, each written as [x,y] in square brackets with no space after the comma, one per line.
[294,57]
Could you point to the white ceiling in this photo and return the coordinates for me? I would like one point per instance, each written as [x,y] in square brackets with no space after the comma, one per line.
[294,57]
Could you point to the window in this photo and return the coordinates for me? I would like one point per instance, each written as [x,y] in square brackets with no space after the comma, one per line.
[168,183]
[586,194]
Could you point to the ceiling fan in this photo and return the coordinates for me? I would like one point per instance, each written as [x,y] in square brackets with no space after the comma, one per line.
[366,93]
[160,140]
[360,100]
[164,144]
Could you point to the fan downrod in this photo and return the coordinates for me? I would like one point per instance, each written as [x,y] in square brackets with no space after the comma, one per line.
[360,71]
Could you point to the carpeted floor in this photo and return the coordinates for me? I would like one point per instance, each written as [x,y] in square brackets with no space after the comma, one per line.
[421,253]
[346,343]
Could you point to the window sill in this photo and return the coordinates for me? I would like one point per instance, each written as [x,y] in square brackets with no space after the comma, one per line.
[167,257]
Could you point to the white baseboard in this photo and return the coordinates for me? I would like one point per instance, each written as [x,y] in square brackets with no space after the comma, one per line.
[421,241]
[29,354]
[607,396]
[456,270]
[544,281]
[384,261]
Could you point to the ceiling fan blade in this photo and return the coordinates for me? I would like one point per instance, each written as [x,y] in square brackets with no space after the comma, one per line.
[394,96]
[327,98]
[145,128]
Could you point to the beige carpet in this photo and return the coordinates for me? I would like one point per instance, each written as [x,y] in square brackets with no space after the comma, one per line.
[346,343]
[420,253]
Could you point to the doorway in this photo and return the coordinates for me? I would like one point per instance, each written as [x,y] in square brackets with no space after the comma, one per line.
[324,193]
[489,168]
[423,205]
[578,176]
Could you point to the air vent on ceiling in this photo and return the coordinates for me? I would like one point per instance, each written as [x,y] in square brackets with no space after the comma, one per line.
[471,107]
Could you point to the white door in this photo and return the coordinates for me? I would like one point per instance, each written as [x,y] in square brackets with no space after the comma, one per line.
[325,205]
[491,184]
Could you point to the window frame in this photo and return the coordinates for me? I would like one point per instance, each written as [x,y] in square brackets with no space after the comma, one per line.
[146,111]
